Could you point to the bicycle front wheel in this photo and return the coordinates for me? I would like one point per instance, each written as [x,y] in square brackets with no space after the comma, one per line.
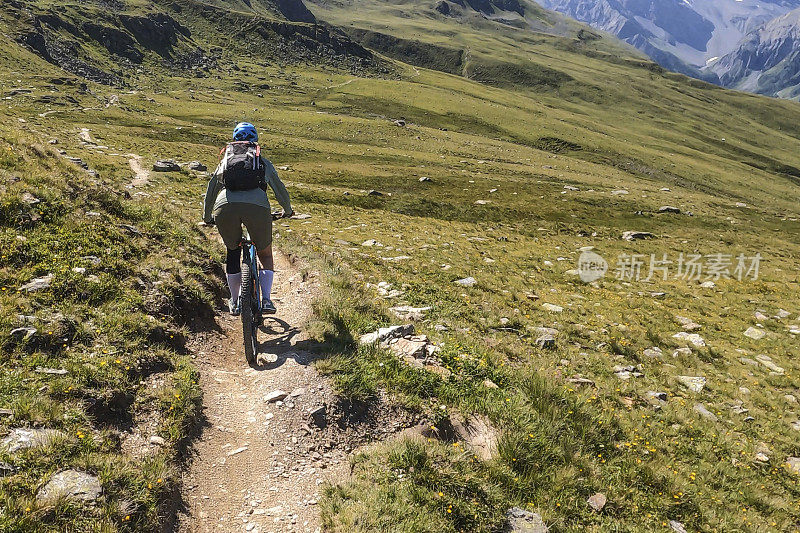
[249,325]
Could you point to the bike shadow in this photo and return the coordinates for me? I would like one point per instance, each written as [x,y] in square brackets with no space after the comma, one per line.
[279,348]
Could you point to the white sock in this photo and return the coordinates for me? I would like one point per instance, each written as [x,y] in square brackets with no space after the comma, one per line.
[235,285]
[266,282]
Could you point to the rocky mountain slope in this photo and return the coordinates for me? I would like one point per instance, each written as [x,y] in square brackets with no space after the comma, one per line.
[687,37]
[767,61]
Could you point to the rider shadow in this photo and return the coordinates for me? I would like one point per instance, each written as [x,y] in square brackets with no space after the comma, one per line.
[280,346]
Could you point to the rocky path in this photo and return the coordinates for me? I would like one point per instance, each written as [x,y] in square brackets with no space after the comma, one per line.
[262,456]
[141,176]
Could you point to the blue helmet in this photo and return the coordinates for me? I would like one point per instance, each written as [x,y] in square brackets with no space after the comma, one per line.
[244,131]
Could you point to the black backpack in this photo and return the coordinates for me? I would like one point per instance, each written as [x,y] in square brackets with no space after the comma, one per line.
[242,168]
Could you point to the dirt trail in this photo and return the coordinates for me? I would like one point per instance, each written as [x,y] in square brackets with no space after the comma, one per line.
[258,466]
[141,174]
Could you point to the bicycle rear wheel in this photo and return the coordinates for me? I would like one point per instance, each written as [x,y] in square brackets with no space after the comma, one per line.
[249,314]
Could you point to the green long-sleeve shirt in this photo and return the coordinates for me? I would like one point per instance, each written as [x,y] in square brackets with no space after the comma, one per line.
[217,195]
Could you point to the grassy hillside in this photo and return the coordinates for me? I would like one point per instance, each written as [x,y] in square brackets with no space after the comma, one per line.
[499,156]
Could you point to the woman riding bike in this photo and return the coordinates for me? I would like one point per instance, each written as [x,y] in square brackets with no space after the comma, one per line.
[236,195]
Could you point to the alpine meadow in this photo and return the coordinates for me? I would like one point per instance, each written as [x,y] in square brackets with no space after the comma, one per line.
[533,281]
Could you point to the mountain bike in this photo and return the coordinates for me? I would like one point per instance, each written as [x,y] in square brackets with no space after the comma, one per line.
[250,299]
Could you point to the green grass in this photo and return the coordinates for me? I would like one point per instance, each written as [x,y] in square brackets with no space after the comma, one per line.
[609,124]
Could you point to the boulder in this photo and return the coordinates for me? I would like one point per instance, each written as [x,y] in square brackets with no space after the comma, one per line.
[693,383]
[22,438]
[70,484]
[166,165]
[197,166]
[597,501]
[793,465]
[522,521]
[466,282]
[700,409]
[636,235]
[687,323]
[407,312]
[669,209]
[23,333]
[755,333]
[37,284]
[383,334]
[414,347]
[546,341]
[692,338]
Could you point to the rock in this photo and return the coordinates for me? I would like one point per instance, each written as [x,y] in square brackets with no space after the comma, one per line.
[383,334]
[166,165]
[23,333]
[546,341]
[655,351]
[552,307]
[619,192]
[579,380]
[479,433]
[401,123]
[755,333]
[29,199]
[677,527]
[660,396]
[22,438]
[522,521]
[636,235]
[425,179]
[51,371]
[413,347]
[760,316]
[597,501]
[156,440]
[793,464]
[70,484]
[275,396]
[682,352]
[6,469]
[304,216]
[319,416]
[762,457]
[570,188]
[795,425]
[481,202]
[668,209]
[626,372]
[374,193]
[37,284]
[489,384]
[197,166]
[700,409]
[767,362]
[748,361]
[790,398]
[406,312]
[693,383]
[708,285]
[371,242]
[693,338]
[466,282]
[782,313]
[687,323]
